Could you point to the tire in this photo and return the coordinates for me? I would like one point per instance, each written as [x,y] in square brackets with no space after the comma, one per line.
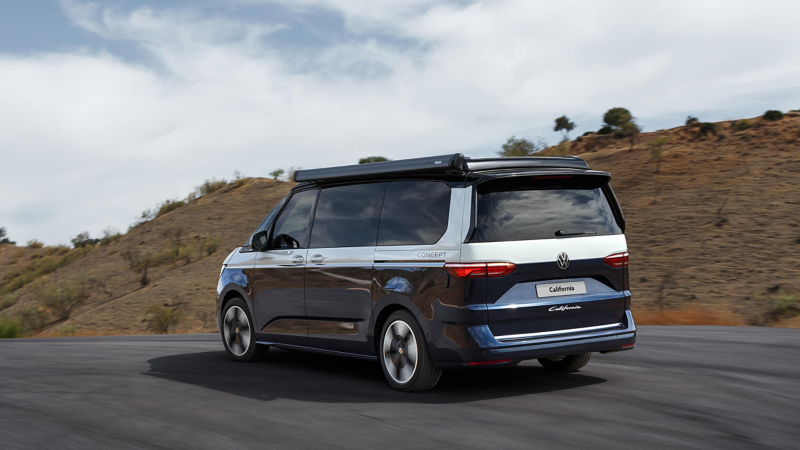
[569,363]
[237,333]
[404,355]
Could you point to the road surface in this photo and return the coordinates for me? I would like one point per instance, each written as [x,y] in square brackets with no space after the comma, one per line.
[682,387]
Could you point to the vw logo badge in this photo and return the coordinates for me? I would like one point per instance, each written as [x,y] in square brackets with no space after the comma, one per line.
[562,260]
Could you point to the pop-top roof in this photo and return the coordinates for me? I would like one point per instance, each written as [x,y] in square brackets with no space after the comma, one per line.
[432,165]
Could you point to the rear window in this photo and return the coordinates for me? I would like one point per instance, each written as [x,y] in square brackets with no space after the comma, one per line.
[528,209]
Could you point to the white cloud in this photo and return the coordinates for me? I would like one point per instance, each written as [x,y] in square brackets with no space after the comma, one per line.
[88,139]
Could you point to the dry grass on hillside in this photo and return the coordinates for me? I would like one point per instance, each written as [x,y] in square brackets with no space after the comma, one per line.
[714,238]
[118,303]
[715,234]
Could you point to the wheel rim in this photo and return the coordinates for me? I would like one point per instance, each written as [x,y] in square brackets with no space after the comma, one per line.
[400,351]
[237,331]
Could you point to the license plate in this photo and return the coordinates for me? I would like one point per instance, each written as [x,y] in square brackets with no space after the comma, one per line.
[558,289]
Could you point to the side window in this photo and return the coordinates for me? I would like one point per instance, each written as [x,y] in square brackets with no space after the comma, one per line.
[414,213]
[347,216]
[290,228]
[268,220]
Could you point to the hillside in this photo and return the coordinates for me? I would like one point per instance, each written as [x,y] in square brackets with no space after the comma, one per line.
[714,238]
[118,304]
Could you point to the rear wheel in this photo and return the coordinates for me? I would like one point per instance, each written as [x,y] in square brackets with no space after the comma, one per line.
[238,334]
[404,355]
[565,363]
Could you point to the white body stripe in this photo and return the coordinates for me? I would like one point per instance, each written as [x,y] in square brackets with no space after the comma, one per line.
[544,250]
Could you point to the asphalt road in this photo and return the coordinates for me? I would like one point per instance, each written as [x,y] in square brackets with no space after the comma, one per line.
[683,387]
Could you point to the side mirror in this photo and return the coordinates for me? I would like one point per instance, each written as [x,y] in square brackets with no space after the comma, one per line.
[260,241]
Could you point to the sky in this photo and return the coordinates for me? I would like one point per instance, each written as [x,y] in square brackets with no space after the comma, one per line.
[110,107]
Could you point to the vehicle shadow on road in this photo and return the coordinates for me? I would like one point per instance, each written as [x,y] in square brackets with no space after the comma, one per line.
[328,379]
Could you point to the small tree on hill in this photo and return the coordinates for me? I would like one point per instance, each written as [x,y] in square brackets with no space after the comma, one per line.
[373,159]
[521,147]
[617,117]
[656,150]
[83,239]
[629,130]
[692,120]
[564,125]
[276,174]
[773,115]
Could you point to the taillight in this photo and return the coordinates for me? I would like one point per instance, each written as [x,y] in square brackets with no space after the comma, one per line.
[479,270]
[617,260]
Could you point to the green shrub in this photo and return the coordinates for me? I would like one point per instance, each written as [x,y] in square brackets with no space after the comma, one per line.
[110,235]
[16,278]
[521,147]
[8,300]
[773,115]
[741,125]
[9,328]
[210,246]
[84,240]
[605,130]
[34,319]
[65,330]
[692,120]
[708,128]
[163,317]
[33,243]
[372,159]
[277,174]
[169,206]
[784,303]
[61,298]
[210,186]
[589,133]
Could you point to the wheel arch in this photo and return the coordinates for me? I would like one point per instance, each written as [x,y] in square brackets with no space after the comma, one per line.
[389,305]
[229,293]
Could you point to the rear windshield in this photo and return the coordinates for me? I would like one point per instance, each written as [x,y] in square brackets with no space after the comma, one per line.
[527,209]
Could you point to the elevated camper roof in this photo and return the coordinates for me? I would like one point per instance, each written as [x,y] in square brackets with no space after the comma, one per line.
[454,164]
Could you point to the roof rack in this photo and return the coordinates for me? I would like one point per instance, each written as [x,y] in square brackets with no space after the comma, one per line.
[428,165]
[432,165]
[529,162]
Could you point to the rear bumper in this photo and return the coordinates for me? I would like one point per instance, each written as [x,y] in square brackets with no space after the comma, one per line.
[544,345]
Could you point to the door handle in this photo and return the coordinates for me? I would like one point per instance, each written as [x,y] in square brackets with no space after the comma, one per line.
[317,259]
[297,259]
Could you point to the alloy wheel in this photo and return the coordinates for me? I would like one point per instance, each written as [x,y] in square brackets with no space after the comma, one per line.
[237,331]
[400,351]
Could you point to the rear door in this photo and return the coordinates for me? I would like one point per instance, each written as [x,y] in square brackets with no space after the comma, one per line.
[533,222]
[339,272]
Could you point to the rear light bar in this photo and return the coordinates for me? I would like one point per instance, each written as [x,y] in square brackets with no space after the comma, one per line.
[628,345]
[479,270]
[486,363]
[617,260]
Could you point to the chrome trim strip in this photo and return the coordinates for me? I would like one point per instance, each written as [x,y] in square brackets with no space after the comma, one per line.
[559,300]
[318,350]
[409,264]
[516,337]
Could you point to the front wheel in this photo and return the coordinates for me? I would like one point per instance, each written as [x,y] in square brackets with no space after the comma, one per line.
[238,334]
[565,363]
[404,355]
